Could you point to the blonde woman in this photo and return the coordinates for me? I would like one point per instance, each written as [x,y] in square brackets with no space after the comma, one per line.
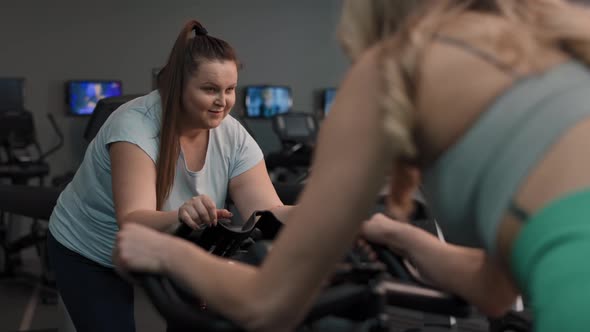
[490,99]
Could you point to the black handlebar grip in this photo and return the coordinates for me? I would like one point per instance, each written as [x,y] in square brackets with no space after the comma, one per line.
[183,231]
[393,262]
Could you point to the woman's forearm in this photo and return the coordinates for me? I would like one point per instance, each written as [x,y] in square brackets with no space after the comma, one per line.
[467,272]
[162,221]
[228,286]
[282,212]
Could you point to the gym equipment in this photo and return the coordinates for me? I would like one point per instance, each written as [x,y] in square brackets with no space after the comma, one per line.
[21,159]
[358,292]
[297,133]
[17,139]
[30,201]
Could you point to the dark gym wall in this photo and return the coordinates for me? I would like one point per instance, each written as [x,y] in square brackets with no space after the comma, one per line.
[49,42]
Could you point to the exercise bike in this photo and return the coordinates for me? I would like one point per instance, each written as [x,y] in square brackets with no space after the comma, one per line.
[358,293]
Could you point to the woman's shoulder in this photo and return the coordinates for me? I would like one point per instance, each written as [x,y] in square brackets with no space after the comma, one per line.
[144,110]
[232,133]
[472,24]
[488,36]
[149,105]
[229,126]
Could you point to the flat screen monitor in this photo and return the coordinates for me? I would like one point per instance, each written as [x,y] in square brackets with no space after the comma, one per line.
[266,101]
[11,94]
[83,95]
[328,99]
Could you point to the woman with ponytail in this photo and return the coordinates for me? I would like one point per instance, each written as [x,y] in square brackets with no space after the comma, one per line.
[168,157]
[490,100]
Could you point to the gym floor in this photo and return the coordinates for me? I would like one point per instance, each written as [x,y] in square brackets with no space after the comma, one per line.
[23,308]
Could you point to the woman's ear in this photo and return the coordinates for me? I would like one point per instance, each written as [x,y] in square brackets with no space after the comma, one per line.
[404,182]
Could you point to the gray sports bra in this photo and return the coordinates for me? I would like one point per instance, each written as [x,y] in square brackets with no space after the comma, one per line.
[472,184]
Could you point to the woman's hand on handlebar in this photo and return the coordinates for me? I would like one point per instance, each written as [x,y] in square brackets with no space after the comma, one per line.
[140,248]
[200,211]
[381,229]
[391,231]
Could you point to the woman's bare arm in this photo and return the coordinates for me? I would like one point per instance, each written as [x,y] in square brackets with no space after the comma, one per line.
[134,188]
[253,190]
[467,272]
[351,160]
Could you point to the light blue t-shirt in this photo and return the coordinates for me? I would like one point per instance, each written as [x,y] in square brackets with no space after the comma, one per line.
[83,219]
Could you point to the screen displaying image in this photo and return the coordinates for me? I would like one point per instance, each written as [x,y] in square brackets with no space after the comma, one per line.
[267,101]
[83,95]
[11,94]
[329,95]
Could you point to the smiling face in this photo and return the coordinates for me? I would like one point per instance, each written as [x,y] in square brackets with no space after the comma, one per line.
[209,94]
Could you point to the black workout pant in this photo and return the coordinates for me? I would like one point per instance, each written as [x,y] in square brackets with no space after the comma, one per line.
[96,297]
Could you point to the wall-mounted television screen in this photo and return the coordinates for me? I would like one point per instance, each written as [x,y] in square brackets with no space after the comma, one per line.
[328,99]
[266,101]
[11,94]
[82,95]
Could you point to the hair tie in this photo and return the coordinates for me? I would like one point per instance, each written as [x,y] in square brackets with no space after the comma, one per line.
[200,31]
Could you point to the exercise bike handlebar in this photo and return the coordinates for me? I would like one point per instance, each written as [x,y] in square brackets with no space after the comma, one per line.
[422,298]
[354,299]
[170,304]
[410,292]
[183,309]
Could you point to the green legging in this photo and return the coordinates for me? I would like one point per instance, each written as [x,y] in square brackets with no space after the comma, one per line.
[551,262]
